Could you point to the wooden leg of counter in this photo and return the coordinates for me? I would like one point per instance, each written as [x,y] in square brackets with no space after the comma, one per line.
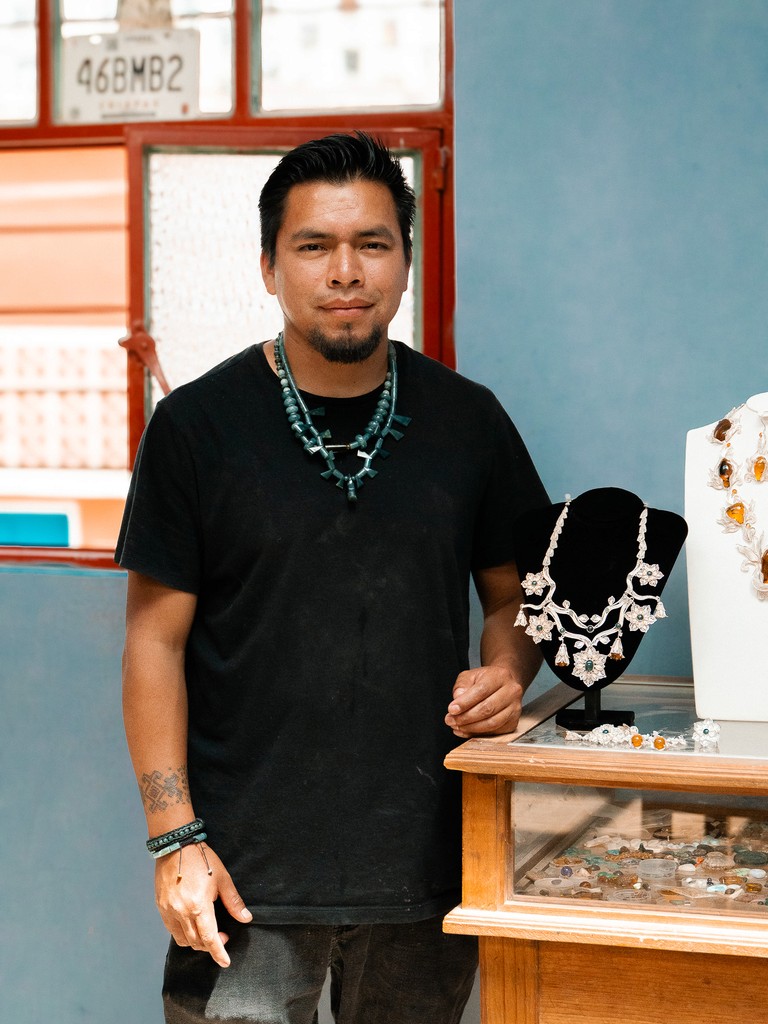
[509,981]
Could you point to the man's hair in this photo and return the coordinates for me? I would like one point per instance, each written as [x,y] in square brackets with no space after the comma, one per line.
[336,159]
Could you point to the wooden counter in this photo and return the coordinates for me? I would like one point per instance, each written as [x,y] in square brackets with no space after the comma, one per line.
[558,960]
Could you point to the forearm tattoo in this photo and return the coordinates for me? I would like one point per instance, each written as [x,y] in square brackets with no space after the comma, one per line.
[161,789]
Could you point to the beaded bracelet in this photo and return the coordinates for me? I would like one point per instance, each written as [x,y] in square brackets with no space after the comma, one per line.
[167,839]
[199,837]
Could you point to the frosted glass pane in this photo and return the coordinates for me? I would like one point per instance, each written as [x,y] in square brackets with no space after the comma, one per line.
[350,54]
[206,297]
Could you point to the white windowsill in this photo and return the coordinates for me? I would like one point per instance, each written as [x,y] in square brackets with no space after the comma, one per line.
[64,483]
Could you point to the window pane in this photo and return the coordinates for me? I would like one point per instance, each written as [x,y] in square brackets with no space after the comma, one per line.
[18,61]
[62,397]
[216,63]
[88,9]
[207,299]
[350,54]
[180,71]
[16,12]
[63,424]
[63,402]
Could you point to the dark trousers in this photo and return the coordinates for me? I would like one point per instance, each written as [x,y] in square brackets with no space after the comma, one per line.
[380,974]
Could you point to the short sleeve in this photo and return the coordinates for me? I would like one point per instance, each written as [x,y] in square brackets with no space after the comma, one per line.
[160,532]
[513,487]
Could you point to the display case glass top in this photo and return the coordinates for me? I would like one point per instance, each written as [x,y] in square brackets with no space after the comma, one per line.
[737,763]
[666,709]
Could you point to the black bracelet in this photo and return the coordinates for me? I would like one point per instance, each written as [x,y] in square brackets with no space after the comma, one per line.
[175,835]
[199,837]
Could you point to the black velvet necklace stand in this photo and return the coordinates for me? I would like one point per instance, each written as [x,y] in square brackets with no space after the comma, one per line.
[596,551]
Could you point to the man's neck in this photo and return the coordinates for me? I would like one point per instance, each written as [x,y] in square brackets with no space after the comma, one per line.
[313,373]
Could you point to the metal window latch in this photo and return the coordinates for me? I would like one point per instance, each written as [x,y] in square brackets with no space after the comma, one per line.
[141,344]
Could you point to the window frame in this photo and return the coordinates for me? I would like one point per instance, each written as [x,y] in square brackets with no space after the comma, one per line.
[428,130]
[143,142]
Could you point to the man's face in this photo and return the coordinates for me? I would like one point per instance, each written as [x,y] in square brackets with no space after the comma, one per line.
[339,272]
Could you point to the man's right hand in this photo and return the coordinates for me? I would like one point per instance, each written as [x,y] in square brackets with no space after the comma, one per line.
[186,903]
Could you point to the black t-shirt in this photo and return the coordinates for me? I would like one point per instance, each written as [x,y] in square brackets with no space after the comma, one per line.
[328,635]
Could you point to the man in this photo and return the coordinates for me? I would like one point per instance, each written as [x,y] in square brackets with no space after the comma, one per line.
[300,531]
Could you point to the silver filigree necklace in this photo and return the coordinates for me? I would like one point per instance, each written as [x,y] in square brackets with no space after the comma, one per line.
[588,632]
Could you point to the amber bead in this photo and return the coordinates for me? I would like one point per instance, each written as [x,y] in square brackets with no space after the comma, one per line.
[758,467]
[722,429]
[637,740]
[753,887]
[736,512]
[659,742]
[764,566]
[725,471]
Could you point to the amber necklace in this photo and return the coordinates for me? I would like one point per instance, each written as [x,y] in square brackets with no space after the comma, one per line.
[588,631]
[738,515]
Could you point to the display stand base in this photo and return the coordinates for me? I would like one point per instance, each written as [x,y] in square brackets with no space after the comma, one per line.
[592,715]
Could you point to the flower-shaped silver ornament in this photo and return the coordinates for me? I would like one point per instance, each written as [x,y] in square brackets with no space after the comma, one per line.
[706,732]
[534,583]
[640,617]
[540,628]
[589,665]
[649,573]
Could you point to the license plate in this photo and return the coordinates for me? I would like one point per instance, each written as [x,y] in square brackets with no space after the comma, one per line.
[152,75]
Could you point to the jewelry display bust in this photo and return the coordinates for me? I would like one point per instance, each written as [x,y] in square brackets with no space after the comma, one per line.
[726,506]
[608,557]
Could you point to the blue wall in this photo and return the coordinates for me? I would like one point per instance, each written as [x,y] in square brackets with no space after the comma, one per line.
[80,938]
[612,208]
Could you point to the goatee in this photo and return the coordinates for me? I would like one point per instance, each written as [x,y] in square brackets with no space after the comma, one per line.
[346,349]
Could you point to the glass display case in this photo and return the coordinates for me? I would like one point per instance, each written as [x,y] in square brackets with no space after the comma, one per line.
[584,849]
[640,847]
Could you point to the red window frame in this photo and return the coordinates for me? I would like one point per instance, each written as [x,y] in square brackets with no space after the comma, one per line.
[428,131]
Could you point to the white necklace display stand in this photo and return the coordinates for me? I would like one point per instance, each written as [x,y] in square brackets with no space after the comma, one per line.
[729,623]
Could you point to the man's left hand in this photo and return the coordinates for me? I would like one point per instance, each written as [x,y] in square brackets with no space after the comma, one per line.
[486,700]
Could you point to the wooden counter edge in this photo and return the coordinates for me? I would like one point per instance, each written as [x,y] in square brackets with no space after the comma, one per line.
[539,710]
[638,929]
[685,770]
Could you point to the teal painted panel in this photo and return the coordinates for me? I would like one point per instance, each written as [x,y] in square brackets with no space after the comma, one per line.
[81,940]
[611,163]
[36,529]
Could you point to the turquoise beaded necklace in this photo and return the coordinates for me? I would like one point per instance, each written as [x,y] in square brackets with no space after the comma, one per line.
[315,443]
